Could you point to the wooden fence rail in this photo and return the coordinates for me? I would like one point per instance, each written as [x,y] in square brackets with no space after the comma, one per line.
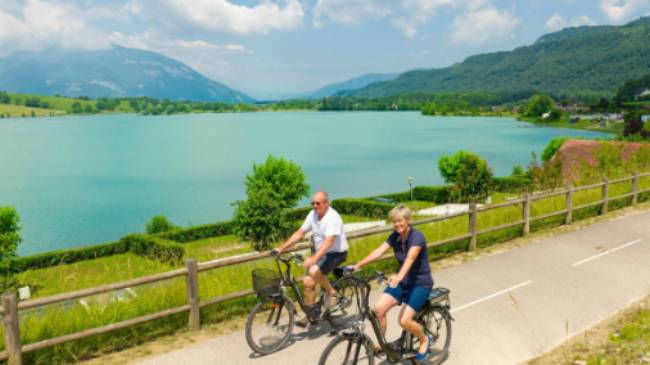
[11,307]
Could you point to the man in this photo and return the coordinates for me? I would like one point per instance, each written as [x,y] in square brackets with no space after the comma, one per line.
[330,249]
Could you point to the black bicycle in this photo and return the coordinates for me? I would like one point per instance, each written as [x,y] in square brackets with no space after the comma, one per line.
[354,346]
[270,324]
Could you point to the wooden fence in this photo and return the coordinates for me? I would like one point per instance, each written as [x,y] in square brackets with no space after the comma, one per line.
[11,307]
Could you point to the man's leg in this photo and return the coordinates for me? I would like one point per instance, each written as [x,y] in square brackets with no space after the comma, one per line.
[318,277]
[310,286]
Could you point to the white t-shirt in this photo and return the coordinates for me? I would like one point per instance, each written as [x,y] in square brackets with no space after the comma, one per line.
[330,225]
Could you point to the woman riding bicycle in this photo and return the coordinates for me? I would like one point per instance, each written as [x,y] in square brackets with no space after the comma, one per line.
[413,281]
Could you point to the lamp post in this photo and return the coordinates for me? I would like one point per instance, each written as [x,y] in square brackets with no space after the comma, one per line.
[410,180]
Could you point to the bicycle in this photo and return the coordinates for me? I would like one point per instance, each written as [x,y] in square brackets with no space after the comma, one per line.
[270,324]
[354,346]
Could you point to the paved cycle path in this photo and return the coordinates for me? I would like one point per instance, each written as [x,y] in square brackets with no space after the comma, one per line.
[507,307]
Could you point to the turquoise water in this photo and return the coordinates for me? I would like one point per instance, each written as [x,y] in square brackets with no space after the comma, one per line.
[90,179]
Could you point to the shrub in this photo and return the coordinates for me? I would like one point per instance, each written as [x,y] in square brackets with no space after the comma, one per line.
[553,146]
[68,256]
[362,207]
[155,248]
[261,219]
[282,178]
[159,224]
[9,240]
[470,174]
[511,184]
[435,194]
[194,233]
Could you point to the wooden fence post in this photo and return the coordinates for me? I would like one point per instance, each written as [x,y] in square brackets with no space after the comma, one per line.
[605,196]
[194,322]
[472,226]
[526,214]
[569,204]
[635,188]
[11,328]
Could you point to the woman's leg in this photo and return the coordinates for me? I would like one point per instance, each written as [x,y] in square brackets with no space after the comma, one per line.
[407,322]
[382,306]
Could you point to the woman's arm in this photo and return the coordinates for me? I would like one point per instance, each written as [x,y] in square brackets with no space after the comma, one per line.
[374,255]
[406,267]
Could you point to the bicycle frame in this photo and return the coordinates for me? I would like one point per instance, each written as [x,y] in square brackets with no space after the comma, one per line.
[288,280]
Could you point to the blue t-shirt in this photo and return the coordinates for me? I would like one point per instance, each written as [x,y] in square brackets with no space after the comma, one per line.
[420,272]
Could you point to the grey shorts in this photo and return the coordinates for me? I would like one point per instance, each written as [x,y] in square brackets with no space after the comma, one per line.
[331,261]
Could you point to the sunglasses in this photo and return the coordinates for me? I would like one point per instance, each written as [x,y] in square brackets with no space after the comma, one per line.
[317,203]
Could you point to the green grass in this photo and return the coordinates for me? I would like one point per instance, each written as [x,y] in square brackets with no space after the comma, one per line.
[12,111]
[103,310]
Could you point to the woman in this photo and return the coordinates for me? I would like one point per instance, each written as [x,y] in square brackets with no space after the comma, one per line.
[413,281]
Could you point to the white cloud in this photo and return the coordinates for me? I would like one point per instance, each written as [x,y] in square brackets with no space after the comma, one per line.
[557,22]
[478,25]
[41,24]
[405,15]
[618,11]
[224,16]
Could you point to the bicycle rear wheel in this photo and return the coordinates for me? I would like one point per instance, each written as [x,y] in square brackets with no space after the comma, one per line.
[349,310]
[269,326]
[343,350]
[437,323]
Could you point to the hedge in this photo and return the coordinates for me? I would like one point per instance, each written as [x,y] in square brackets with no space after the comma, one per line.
[68,256]
[511,184]
[398,197]
[362,207]
[155,248]
[437,194]
[198,232]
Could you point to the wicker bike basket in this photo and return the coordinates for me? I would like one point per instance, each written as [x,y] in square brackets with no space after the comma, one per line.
[266,282]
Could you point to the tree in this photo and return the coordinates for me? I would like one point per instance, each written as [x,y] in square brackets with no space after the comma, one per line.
[159,224]
[9,240]
[283,179]
[261,219]
[470,174]
[76,108]
[517,170]
[633,123]
[547,175]
[540,104]
[272,188]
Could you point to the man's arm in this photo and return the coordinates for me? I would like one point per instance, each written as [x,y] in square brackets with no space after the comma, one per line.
[295,237]
[324,248]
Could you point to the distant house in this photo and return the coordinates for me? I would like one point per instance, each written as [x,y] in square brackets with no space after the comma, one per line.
[642,93]
[576,153]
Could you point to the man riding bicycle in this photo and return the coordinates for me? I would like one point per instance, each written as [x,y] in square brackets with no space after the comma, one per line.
[330,249]
[413,281]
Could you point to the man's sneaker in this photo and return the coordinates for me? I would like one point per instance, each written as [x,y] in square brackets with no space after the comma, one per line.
[332,302]
[303,322]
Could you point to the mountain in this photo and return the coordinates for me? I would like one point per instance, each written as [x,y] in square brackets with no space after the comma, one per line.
[350,85]
[574,61]
[113,72]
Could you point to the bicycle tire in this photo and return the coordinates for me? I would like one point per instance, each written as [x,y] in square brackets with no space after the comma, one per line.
[260,324]
[437,322]
[339,350]
[352,301]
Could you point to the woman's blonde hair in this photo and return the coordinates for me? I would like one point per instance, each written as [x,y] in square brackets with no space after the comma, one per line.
[400,211]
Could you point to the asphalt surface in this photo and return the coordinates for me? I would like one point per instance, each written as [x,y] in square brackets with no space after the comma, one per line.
[507,307]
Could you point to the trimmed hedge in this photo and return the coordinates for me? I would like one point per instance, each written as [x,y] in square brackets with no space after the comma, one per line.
[511,184]
[398,197]
[68,256]
[199,232]
[437,194]
[362,207]
[155,248]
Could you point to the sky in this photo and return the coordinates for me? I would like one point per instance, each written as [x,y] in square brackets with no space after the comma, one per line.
[275,48]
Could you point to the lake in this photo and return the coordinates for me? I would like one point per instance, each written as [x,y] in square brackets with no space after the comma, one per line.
[82,180]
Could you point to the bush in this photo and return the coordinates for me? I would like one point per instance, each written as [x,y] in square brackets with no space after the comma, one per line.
[552,147]
[155,248]
[282,178]
[470,174]
[261,219]
[194,233]
[159,224]
[362,207]
[9,240]
[59,257]
[511,184]
[435,194]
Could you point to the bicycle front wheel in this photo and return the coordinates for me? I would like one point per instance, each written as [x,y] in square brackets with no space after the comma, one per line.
[269,326]
[343,350]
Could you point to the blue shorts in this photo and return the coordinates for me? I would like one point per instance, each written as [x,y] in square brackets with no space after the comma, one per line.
[414,296]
